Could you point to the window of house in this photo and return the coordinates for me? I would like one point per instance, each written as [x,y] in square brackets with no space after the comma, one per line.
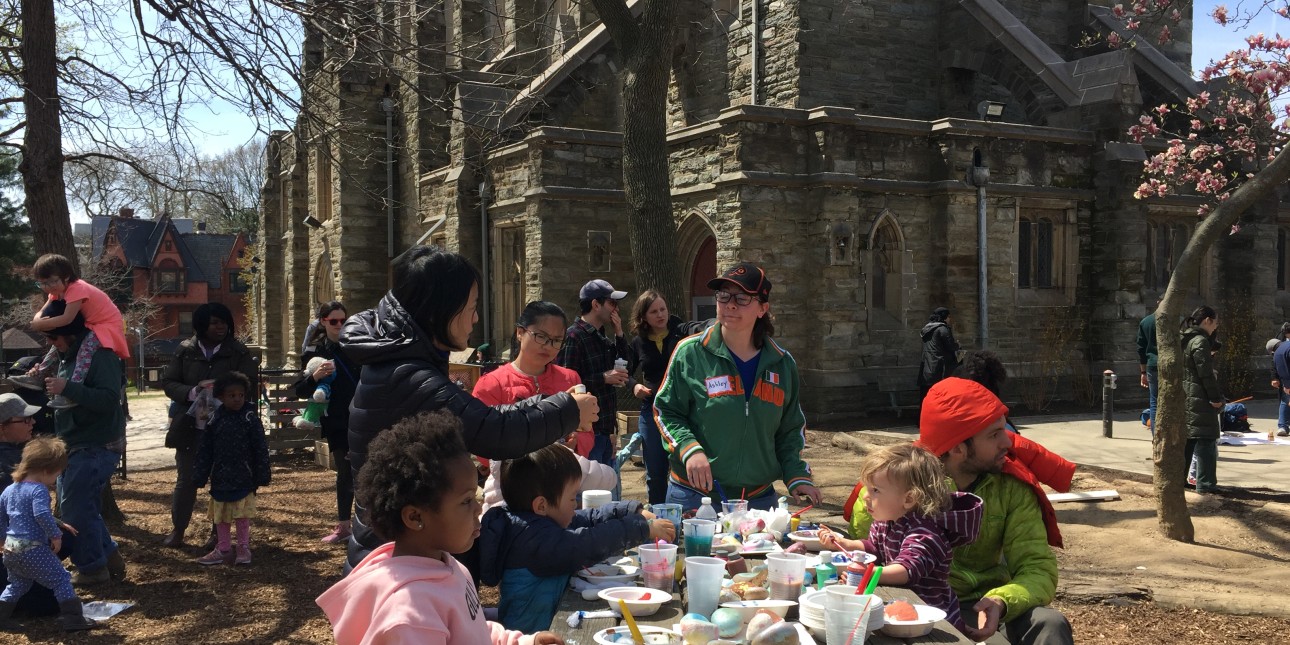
[1036,252]
[185,323]
[1165,244]
[169,245]
[170,277]
[1281,259]
[1046,252]
[236,283]
[323,184]
[884,269]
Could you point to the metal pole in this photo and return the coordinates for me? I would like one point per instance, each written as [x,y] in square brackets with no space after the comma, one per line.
[756,35]
[388,104]
[1108,401]
[485,289]
[982,289]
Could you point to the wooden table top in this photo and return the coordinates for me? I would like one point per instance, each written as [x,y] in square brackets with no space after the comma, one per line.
[670,614]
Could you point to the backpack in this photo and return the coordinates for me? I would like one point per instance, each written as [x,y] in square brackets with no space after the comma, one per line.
[1234,418]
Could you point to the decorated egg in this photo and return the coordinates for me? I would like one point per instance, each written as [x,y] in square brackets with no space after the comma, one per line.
[780,633]
[728,621]
[756,593]
[727,595]
[761,621]
[697,630]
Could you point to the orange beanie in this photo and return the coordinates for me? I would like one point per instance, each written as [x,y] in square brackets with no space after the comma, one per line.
[954,410]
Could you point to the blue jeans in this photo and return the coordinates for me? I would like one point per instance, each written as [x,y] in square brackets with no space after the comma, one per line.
[603,450]
[689,499]
[1283,410]
[80,490]
[1153,388]
[654,454]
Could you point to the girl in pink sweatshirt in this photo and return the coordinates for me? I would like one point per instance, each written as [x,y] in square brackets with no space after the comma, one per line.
[539,333]
[419,488]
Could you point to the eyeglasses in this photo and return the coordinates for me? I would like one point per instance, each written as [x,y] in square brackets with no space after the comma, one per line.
[741,299]
[543,339]
[24,420]
[334,322]
[48,284]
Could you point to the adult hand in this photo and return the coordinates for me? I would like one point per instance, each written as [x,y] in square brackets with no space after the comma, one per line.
[810,492]
[661,530]
[588,408]
[699,471]
[55,385]
[615,377]
[326,369]
[56,544]
[547,638]
[1142,380]
[208,383]
[989,610]
[68,527]
[641,392]
[617,322]
[1276,384]
[1217,405]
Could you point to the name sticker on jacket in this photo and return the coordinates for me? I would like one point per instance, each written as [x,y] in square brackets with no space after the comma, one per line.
[719,386]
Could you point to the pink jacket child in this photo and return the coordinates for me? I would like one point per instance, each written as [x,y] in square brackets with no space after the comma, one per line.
[507,384]
[410,600]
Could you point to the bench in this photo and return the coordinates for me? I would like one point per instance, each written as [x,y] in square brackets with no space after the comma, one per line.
[282,409]
[900,396]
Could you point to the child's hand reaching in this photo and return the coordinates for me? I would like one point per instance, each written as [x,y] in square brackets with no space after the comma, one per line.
[831,539]
[661,530]
[547,638]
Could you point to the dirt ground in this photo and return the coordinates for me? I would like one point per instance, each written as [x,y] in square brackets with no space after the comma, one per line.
[1115,560]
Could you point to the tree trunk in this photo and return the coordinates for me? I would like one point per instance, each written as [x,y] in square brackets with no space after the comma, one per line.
[42,159]
[643,47]
[1171,430]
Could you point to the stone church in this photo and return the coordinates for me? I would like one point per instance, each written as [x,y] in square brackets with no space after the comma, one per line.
[831,141]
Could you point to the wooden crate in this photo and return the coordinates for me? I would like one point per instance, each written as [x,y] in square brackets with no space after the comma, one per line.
[465,375]
[628,423]
[283,408]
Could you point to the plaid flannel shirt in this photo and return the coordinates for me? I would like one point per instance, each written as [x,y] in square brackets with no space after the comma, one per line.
[590,353]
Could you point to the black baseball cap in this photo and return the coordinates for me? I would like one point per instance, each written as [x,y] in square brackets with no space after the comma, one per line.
[747,276]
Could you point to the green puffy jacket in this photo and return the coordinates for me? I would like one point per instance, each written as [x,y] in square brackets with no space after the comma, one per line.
[1200,384]
[1010,560]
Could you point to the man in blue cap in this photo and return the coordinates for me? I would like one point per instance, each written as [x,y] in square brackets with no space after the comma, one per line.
[591,353]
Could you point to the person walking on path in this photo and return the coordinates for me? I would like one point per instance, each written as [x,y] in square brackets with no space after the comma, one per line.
[940,351]
[1148,372]
[1204,398]
[591,353]
[1283,406]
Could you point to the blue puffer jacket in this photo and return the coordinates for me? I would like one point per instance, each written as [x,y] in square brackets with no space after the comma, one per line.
[532,557]
[403,374]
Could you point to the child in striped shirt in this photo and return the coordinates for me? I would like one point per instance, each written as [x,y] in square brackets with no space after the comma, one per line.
[917,523]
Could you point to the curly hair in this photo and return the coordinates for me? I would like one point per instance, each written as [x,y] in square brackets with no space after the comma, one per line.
[42,454]
[230,379]
[541,473]
[913,467]
[985,368]
[408,465]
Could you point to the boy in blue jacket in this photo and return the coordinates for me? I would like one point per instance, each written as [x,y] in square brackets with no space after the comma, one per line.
[538,539]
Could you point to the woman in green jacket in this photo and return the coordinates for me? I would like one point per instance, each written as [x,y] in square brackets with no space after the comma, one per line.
[1204,399]
[728,404]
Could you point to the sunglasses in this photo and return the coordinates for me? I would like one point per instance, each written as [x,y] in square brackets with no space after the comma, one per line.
[334,322]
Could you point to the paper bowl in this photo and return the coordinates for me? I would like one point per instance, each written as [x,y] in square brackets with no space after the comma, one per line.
[641,601]
[809,539]
[815,605]
[652,635]
[927,617]
[747,608]
[614,573]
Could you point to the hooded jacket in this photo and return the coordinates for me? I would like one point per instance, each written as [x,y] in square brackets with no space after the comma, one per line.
[233,454]
[1200,384]
[751,442]
[410,600]
[532,557]
[404,374]
[939,353]
[923,545]
[188,367]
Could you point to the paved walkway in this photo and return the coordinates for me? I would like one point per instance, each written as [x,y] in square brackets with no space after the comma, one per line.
[1079,438]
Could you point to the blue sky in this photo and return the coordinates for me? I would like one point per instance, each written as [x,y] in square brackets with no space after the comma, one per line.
[1210,41]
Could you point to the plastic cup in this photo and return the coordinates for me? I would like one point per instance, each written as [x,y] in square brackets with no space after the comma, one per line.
[670,512]
[786,573]
[842,611]
[658,565]
[698,537]
[703,584]
[732,512]
[596,498]
[734,506]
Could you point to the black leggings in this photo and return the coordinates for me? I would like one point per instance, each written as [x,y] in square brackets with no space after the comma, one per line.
[344,488]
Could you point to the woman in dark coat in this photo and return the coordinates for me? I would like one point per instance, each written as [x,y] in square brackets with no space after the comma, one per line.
[940,351]
[210,353]
[1204,398]
[403,346]
[345,374]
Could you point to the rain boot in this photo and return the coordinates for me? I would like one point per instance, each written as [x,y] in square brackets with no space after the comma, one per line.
[71,616]
[6,612]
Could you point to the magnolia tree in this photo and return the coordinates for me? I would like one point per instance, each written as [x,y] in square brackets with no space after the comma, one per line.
[1227,145]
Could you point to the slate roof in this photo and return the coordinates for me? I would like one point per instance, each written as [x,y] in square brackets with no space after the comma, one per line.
[203,254]
[21,340]
[211,252]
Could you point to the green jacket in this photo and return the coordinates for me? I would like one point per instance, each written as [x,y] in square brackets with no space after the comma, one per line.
[1201,384]
[700,407]
[1147,354]
[1010,560]
[97,418]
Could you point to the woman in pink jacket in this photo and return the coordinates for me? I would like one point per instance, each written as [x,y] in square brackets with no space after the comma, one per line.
[419,490]
[539,333]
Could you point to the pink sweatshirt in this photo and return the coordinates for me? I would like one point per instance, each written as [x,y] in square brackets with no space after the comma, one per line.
[412,600]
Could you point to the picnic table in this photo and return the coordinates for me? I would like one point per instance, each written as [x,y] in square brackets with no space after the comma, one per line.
[670,614]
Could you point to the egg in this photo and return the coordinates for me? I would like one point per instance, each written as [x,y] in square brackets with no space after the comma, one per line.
[778,634]
[756,593]
[696,630]
[761,621]
[728,621]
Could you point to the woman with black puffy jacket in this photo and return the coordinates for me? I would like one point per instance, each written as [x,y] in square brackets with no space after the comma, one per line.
[402,346]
